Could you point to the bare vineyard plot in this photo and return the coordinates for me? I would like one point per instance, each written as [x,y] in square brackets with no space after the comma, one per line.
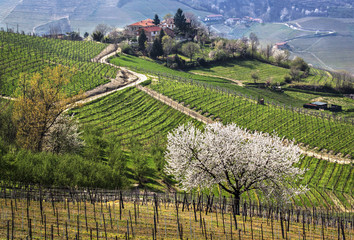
[101,214]
[29,54]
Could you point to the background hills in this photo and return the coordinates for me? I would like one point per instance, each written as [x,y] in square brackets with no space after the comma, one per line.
[31,14]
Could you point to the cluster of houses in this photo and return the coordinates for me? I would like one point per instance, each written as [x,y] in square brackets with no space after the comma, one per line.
[218,18]
[152,30]
[244,20]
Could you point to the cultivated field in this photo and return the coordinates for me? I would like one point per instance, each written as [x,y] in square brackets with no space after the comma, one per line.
[227,106]
[27,54]
[95,214]
[239,69]
[131,113]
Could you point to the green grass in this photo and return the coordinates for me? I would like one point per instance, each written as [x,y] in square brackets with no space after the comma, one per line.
[242,69]
[142,65]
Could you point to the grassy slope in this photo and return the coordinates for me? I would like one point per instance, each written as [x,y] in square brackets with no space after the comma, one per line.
[133,114]
[242,70]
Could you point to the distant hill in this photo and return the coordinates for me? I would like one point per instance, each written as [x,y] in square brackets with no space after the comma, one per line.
[276,10]
[32,15]
[328,51]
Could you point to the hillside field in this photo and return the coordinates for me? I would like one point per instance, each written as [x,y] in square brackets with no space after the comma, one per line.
[27,54]
[241,70]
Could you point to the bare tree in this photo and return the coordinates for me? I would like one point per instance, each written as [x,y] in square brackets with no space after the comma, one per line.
[254,42]
[103,28]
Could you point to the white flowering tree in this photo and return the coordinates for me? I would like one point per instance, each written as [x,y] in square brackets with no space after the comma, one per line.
[234,159]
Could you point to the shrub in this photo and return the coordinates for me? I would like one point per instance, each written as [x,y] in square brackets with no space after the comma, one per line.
[146,83]
[287,79]
[127,49]
[202,62]
[174,66]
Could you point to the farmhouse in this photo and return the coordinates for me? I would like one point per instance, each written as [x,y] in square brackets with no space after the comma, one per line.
[133,28]
[282,46]
[154,31]
[316,105]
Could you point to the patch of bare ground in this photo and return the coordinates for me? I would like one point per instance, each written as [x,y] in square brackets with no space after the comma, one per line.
[123,78]
[238,82]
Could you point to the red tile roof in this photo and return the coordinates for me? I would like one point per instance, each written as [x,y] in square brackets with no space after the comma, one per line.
[143,23]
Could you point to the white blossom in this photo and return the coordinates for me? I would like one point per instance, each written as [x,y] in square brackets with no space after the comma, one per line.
[63,136]
[231,157]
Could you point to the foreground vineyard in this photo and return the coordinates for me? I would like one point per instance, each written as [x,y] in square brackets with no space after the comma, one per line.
[29,54]
[96,214]
[131,113]
[227,106]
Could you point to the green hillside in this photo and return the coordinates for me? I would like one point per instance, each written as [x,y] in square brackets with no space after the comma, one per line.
[242,70]
[27,54]
[229,106]
[119,119]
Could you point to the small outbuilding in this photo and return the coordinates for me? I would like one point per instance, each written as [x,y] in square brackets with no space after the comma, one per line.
[316,105]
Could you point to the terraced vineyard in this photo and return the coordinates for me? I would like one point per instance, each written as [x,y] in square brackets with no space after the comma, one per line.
[29,54]
[227,106]
[131,113]
[291,96]
[330,186]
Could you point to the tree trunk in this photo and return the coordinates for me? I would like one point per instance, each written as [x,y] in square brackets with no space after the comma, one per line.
[237,202]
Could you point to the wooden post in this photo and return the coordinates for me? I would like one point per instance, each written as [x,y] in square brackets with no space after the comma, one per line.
[78,227]
[85,217]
